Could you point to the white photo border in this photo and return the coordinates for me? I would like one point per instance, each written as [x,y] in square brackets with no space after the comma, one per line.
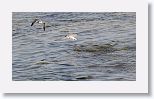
[138,86]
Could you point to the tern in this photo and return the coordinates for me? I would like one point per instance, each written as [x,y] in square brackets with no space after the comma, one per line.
[40,22]
[71,36]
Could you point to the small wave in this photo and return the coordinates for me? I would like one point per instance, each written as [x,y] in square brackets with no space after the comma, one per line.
[42,62]
[83,77]
[66,64]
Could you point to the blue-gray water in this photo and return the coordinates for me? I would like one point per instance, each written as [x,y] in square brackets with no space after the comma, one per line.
[105,49]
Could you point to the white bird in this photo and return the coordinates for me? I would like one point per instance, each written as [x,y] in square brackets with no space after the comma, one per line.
[40,22]
[71,36]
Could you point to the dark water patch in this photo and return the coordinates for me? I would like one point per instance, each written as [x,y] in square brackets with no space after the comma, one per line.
[94,66]
[80,78]
[66,64]
[105,48]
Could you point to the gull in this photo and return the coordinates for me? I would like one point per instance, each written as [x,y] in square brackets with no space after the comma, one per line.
[71,36]
[40,22]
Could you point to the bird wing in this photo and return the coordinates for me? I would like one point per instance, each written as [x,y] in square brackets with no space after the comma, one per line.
[74,38]
[44,26]
[34,22]
[73,34]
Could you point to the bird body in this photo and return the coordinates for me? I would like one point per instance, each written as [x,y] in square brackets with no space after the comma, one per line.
[71,36]
[39,21]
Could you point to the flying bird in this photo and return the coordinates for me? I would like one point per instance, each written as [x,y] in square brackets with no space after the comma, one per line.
[40,22]
[71,36]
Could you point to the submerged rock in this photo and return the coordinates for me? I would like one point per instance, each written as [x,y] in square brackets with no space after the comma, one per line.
[105,48]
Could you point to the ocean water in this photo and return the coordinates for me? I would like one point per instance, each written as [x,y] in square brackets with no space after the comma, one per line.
[105,49]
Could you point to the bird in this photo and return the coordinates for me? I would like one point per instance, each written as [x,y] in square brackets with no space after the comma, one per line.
[71,36]
[40,22]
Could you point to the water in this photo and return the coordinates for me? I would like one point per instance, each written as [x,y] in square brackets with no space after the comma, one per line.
[105,49]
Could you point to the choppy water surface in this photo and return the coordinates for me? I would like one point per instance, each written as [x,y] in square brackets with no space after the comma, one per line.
[105,49]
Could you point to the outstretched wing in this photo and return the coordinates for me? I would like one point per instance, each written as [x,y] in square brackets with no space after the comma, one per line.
[34,22]
[44,26]
[73,34]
